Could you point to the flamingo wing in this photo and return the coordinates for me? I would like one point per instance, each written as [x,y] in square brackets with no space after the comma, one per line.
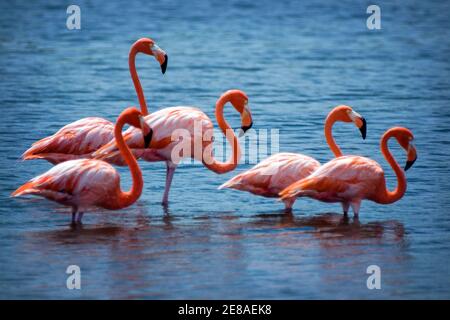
[81,182]
[273,174]
[163,122]
[79,138]
[341,179]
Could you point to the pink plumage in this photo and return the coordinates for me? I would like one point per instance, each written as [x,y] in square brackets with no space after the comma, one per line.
[273,174]
[189,130]
[82,183]
[164,123]
[351,179]
[74,141]
[277,172]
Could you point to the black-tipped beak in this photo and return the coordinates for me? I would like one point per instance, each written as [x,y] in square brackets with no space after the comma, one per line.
[363,129]
[245,129]
[148,138]
[164,64]
[409,164]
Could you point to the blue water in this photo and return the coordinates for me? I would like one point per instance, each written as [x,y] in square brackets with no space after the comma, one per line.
[295,60]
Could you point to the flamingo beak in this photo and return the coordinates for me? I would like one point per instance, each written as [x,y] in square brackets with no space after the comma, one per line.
[360,122]
[412,156]
[164,64]
[409,164]
[246,120]
[363,128]
[161,56]
[148,138]
[244,129]
[147,132]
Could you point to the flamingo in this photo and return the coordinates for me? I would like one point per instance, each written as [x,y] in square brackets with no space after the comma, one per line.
[83,183]
[278,171]
[351,179]
[82,137]
[165,122]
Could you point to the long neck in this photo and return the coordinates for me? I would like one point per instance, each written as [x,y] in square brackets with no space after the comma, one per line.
[331,119]
[212,163]
[387,196]
[136,82]
[128,197]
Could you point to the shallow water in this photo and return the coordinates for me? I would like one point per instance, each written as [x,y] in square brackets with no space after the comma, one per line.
[295,61]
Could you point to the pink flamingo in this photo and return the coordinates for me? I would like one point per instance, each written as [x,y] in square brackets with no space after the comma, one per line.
[278,171]
[83,183]
[80,138]
[166,121]
[351,179]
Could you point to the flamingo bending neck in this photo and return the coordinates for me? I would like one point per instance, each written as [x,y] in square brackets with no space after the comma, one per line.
[387,196]
[126,198]
[232,162]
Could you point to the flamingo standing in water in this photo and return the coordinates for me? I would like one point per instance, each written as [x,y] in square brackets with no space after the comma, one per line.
[278,171]
[165,122]
[80,138]
[82,183]
[350,179]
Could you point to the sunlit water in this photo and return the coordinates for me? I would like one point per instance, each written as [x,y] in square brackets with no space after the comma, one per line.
[295,61]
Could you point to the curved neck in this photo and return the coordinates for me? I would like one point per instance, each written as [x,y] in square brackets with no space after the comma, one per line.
[232,162]
[387,196]
[329,122]
[136,82]
[128,197]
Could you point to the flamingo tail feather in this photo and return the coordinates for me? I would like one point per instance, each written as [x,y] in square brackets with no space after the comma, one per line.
[27,188]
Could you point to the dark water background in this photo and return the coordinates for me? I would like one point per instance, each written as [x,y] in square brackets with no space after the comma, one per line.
[295,60]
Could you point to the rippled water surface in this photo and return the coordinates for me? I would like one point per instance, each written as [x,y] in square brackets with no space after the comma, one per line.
[295,61]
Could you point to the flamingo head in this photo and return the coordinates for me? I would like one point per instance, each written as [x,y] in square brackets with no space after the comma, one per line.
[134,118]
[347,114]
[239,100]
[148,46]
[405,138]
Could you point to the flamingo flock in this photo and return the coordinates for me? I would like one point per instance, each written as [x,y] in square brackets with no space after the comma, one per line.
[84,151]
[272,175]
[82,183]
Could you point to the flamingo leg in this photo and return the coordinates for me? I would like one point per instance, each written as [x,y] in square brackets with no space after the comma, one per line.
[169,176]
[79,217]
[74,214]
[345,207]
[355,206]
[288,203]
